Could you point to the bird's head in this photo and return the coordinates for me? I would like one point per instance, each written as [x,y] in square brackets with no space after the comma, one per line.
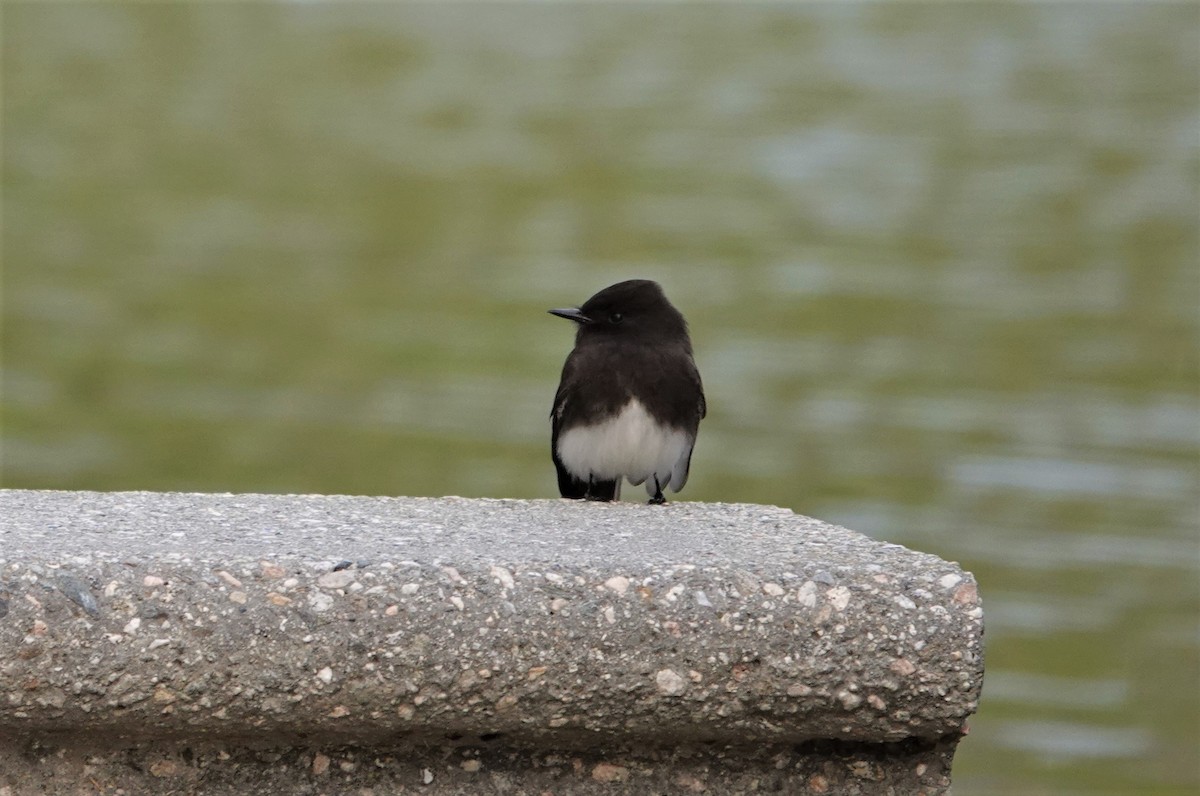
[635,309]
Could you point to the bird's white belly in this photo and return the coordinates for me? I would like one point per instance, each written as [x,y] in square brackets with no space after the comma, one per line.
[630,444]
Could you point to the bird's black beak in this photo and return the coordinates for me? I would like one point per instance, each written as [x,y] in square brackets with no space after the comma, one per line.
[571,314]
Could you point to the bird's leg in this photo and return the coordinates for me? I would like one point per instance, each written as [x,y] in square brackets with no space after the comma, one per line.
[658,498]
[590,495]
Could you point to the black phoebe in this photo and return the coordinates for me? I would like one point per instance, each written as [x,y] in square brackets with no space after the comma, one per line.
[630,399]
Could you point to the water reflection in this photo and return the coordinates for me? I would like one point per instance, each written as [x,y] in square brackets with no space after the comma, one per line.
[1055,740]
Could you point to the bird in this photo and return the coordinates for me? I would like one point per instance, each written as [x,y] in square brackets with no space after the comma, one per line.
[630,400]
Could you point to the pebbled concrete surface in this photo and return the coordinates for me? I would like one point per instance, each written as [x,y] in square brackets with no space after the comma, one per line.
[175,640]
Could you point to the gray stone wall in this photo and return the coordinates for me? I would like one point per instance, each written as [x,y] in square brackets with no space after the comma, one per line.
[308,644]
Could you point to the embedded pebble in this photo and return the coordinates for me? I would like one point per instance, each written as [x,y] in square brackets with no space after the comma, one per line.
[839,597]
[949,581]
[78,593]
[337,579]
[320,602]
[504,576]
[271,571]
[617,583]
[606,772]
[670,683]
[849,699]
[966,594]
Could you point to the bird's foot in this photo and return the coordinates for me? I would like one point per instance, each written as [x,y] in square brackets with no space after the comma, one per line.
[657,500]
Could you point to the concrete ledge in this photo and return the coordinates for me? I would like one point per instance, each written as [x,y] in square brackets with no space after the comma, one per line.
[308,644]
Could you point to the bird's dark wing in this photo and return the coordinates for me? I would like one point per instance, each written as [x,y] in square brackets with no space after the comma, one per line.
[568,485]
[674,392]
[571,403]
[679,380]
[701,410]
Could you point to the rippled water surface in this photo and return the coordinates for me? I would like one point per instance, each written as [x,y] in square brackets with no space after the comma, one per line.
[941,264]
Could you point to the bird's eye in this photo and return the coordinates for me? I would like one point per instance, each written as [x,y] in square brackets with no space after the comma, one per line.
[615,318]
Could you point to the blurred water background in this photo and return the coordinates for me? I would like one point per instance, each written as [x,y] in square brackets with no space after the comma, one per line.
[941,263]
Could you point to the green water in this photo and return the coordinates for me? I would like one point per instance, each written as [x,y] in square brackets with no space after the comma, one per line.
[941,264]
